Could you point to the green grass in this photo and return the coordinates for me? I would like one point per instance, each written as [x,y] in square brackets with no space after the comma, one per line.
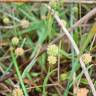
[31,70]
[19,74]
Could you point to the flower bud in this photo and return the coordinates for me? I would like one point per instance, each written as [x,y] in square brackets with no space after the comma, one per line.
[75,9]
[15,40]
[52,60]
[6,20]
[17,92]
[86,58]
[24,23]
[52,50]
[19,51]
[64,76]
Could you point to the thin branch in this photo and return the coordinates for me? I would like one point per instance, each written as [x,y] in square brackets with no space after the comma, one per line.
[48,85]
[75,48]
[92,42]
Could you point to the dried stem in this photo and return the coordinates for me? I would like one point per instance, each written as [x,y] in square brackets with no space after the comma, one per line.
[48,85]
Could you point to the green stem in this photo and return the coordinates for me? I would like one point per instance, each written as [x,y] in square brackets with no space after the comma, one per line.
[18,73]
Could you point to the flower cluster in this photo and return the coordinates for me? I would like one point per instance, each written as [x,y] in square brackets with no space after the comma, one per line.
[52,52]
[17,92]
[24,23]
[15,40]
[18,51]
[6,20]
[86,58]
[52,59]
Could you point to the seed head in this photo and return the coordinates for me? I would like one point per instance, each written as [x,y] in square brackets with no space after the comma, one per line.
[19,51]
[75,9]
[52,60]
[52,50]
[6,20]
[86,58]
[17,92]
[24,23]
[15,40]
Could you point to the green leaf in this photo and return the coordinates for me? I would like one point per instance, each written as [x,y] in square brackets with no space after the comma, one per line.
[28,68]
[46,80]
[84,81]
[42,60]
[89,38]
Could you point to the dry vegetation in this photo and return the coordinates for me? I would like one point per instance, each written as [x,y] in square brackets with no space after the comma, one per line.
[48,48]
